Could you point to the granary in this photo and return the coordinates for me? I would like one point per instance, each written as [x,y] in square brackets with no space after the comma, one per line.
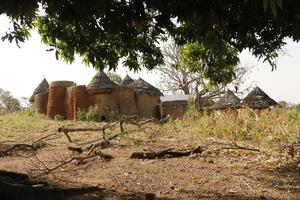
[126,81]
[65,99]
[77,99]
[127,102]
[174,105]
[104,94]
[57,98]
[41,88]
[258,99]
[228,101]
[147,98]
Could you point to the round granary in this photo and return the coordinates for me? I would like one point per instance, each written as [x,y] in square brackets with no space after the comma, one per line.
[62,83]
[107,103]
[41,101]
[69,104]
[127,103]
[147,104]
[56,102]
[77,98]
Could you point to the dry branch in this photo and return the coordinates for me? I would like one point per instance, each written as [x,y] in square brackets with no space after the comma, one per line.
[32,147]
[168,153]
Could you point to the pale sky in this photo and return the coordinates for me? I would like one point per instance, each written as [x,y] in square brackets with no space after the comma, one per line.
[22,69]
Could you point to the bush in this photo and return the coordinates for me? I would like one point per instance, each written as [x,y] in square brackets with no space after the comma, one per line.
[112,116]
[90,115]
[58,118]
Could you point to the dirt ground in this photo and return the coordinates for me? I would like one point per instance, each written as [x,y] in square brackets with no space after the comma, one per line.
[213,174]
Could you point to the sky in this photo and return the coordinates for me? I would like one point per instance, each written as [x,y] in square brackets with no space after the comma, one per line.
[22,69]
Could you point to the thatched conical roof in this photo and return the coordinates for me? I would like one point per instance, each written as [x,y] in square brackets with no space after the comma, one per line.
[229,100]
[127,80]
[140,85]
[101,82]
[42,87]
[257,98]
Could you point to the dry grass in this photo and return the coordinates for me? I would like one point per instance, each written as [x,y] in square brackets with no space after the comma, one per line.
[225,174]
[267,128]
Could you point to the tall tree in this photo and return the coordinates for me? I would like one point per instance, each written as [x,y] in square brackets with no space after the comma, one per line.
[178,74]
[104,32]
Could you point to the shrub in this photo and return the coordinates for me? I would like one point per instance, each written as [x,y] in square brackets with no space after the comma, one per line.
[90,115]
[58,118]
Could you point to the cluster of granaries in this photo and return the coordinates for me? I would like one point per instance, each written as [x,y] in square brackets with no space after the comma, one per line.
[256,99]
[131,97]
[64,98]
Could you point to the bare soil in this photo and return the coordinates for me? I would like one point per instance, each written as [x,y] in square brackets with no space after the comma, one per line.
[213,174]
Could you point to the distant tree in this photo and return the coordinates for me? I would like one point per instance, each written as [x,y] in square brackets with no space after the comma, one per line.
[283,104]
[187,70]
[8,103]
[115,77]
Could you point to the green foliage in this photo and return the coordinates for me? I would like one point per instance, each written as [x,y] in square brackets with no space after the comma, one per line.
[112,116]
[91,115]
[104,32]
[58,118]
[273,5]
[81,115]
[24,124]
[216,63]
[295,111]
[192,112]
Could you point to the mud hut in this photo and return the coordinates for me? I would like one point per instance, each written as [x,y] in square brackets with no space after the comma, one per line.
[147,98]
[57,98]
[104,95]
[258,99]
[174,105]
[41,88]
[40,102]
[126,81]
[77,99]
[228,101]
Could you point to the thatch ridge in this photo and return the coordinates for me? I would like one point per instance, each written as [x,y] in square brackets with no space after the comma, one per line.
[41,88]
[258,99]
[127,80]
[229,100]
[101,81]
[141,85]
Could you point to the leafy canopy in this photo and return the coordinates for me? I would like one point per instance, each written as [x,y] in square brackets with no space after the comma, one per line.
[216,64]
[104,32]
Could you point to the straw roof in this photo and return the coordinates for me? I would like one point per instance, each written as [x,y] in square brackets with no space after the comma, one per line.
[126,81]
[100,82]
[42,87]
[229,100]
[257,98]
[140,85]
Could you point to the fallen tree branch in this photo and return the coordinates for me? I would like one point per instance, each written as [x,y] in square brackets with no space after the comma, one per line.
[124,119]
[32,148]
[168,153]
